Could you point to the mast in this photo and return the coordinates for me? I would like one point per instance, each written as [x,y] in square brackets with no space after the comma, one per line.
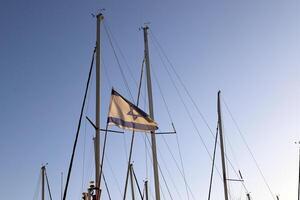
[248,196]
[43,181]
[146,190]
[222,146]
[299,178]
[97,134]
[131,182]
[150,100]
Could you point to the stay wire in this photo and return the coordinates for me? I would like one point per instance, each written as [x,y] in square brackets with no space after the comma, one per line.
[177,140]
[161,173]
[178,167]
[37,188]
[249,149]
[118,62]
[213,164]
[48,185]
[114,175]
[189,95]
[121,53]
[187,110]
[111,85]
[79,125]
[133,134]
[106,187]
[84,137]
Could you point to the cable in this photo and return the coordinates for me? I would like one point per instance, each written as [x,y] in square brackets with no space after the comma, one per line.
[79,125]
[48,185]
[190,97]
[248,148]
[36,192]
[177,140]
[118,62]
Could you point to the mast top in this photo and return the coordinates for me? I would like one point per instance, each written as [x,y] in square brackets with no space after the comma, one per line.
[100,16]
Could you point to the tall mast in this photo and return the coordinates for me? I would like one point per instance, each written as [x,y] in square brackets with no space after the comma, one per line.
[97,134]
[150,100]
[222,146]
[43,182]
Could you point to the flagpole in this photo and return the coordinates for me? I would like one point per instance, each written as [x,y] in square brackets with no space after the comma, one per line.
[150,100]
[97,133]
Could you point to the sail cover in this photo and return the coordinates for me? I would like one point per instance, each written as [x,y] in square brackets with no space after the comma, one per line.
[126,115]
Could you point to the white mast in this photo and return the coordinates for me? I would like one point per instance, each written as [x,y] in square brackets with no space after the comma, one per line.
[97,134]
[150,100]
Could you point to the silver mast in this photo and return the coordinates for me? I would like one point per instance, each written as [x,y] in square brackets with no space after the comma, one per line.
[222,146]
[150,99]
[97,134]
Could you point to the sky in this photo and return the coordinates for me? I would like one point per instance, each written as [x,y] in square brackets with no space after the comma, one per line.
[247,49]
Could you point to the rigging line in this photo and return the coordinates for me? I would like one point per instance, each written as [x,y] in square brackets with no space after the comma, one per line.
[187,92]
[178,146]
[248,148]
[103,153]
[114,41]
[79,125]
[37,188]
[48,185]
[133,134]
[118,62]
[107,189]
[110,85]
[121,52]
[114,175]
[172,180]
[137,183]
[188,112]
[160,171]
[84,137]
[177,166]
[213,164]
[181,82]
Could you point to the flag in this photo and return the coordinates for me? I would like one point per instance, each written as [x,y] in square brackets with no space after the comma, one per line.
[126,115]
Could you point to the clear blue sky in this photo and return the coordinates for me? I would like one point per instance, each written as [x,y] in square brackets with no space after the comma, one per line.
[248,49]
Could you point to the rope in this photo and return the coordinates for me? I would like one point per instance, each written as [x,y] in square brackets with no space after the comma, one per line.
[118,62]
[248,148]
[133,133]
[103,153]
[84,137]
[36,192]
[48,185]
[177,140]
[78,127]
[213,165]
[107,189]
[192,100]
[161,173]
[121,52]
[177,166]
[137,183]
[114,175]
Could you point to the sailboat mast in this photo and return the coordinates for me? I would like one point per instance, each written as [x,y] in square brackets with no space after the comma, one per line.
[43,182]
[222,146]
[150,100]
[97,134]
[299,177]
